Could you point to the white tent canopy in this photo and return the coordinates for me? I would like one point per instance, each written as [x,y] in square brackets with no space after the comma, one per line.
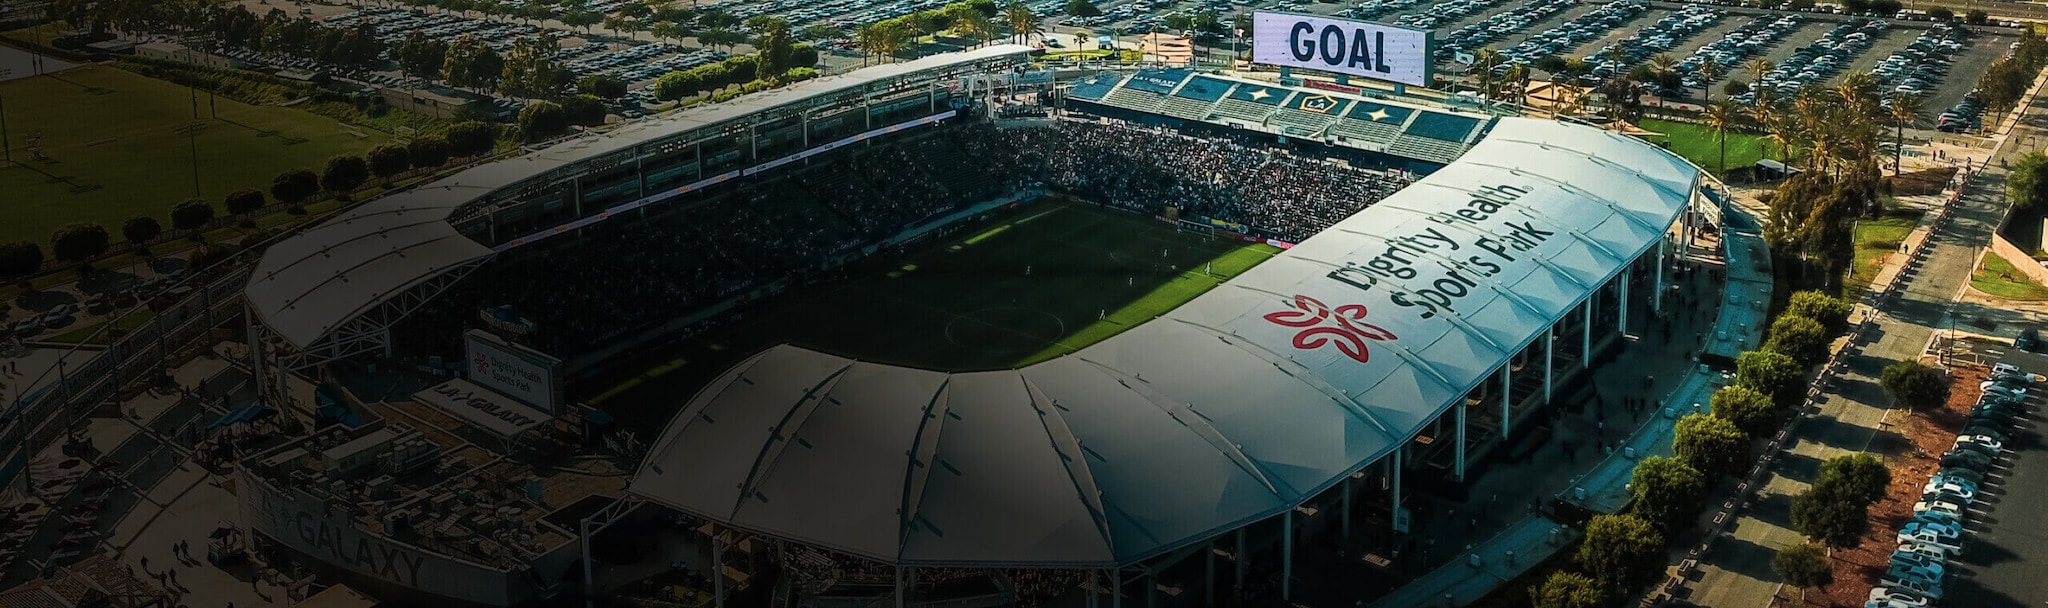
[1235,407]
[307,286]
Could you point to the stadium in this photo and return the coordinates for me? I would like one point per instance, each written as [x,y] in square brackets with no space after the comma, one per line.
[953,320]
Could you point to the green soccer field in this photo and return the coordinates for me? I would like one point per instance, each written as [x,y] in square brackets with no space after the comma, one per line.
[114,149]
[1045,280]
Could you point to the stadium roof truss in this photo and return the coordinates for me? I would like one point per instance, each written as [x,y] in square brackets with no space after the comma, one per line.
[331,290]
[1243,403]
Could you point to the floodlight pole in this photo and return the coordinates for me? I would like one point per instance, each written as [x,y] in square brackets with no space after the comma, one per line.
[6,146]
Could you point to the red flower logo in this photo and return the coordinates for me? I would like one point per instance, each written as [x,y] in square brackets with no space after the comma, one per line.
[482,365]
[1347,329]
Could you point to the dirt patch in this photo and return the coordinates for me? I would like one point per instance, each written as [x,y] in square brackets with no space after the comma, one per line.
[1923,182]
[1912,449]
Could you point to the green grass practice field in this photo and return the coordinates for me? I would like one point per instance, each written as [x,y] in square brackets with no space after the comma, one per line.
[114,150]
[1024,288]
[1700,145]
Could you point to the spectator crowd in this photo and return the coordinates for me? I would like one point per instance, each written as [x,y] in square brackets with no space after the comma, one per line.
[792,224]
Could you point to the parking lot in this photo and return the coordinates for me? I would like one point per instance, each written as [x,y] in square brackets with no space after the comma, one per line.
[1824,47]
[2006,557]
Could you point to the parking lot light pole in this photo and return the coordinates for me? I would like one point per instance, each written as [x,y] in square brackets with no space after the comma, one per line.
[6,151]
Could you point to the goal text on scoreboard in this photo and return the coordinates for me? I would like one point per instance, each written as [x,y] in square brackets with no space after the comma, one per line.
[1356,48]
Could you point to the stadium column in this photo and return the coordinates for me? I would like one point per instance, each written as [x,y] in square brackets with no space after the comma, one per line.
[1116,589]
[1287,555]
[1621,305]
[1657,298]
[899,586]
[1549,360]
[1209,575]
[718,572]
[1345,504]
[1586,332]
[1506,400]
[1241,557]
[1459,467]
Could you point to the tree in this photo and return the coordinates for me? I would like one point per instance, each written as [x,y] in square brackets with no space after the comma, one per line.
[1711,444]
[1800,338]
[586,110]
[191,215]
[344,173]
[529,69]
[386,161]
[1831,312]
[1915,385]
[1023,23]
[78,241]
[2027,184]
[720,37]
[1905,109]
[1746,408]
[427,151]
[543,120]
[1804,566]
[420,55]
[1858,477]
[291,187]
[1772,374]
[1976,17]
[472,138]
[1667,492]
[1566,590]
[1823,514]
[1721,116]
[1621,551]
[1941,13]
[775,45]
[140,229]
[471,63]
[20,258]
[1083,9]
[604,86]
[243,201]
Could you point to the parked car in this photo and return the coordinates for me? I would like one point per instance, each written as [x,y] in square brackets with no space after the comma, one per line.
[28,327]
[1886,597]
[1963,473]
[1945,484]
[1947,536]
[1944,508]
[1966,459]
[1987,445]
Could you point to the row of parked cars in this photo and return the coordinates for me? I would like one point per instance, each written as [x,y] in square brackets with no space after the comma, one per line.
[1657,38]
[1499,25]
[1918,570]
[1737,46]
[1444,13]
[1374,9]
[1968,115]
[1815,63]
[394,24]
[1915,69]
[1574,33]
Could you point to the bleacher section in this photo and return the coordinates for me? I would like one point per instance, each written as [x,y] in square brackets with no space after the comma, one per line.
[1445,127]
[1142,101]
[1372,123]
[1093,88]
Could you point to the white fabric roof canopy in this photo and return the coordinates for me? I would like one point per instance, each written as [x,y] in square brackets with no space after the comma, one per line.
[308,285]
[1243,403]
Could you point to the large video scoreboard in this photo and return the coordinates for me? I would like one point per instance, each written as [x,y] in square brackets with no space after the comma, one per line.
[1357,48]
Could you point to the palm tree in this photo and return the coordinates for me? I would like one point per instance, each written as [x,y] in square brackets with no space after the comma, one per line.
[1023,23]
[1905,111]
[1710,71]
[1758,67]
[1721,115]
[1856,90]
[1516,81]
[869,39]
[1483,63]
[1764,110]
[1570,98]
[1662,63]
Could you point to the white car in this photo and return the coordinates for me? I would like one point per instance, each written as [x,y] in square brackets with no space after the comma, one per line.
[1953,486]
[1946,534]
[1939,508]
[1981,443]
[1932,553]
[1886,597]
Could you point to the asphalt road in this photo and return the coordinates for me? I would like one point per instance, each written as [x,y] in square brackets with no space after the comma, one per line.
[2007,557]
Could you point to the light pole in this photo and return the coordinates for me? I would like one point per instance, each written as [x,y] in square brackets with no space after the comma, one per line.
[191,132]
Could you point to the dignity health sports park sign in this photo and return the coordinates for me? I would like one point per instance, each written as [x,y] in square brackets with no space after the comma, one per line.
[1371,50]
